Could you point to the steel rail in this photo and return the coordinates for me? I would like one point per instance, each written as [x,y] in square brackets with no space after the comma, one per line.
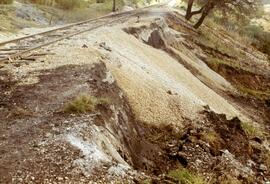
[75,25]
[18,54]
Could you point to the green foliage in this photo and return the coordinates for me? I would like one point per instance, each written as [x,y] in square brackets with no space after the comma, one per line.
[6,1]
[84,103]
[184,176]
[241,26]
[81,104]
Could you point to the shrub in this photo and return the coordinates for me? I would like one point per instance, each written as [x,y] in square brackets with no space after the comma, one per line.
[81,104]
[84,103]
[185,176]
[6,1]
[260,38]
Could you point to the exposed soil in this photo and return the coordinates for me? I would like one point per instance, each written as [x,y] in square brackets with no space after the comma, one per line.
[157,120]
[33,122]
[216,159]
[194,151]
[237,76]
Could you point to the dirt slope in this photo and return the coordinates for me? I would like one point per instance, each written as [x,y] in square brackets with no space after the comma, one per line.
[166,108]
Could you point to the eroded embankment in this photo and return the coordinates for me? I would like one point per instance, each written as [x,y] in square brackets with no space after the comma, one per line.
[41,143]
[243,73]
[101,108]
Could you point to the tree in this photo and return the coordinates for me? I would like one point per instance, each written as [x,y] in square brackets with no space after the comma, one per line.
[114,6]
[237,6]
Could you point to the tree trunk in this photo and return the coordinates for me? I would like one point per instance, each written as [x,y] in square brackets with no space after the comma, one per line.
[114,6]
[200,21]
[196,12]
[189,9]
[205,11]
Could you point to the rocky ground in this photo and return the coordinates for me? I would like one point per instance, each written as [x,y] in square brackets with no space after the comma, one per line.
[165,100]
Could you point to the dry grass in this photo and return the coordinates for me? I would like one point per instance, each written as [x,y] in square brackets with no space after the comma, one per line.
[215,40]
[64,4]
[21,112]
[185,176]
[212,138]
[262,95]
[85,103]
[216,62]
[251,130]
[6,1]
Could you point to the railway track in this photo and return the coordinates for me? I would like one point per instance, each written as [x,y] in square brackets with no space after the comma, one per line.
[17,49]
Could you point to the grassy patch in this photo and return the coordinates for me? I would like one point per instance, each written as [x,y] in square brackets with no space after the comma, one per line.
[6,1]
[260,38]
[216,42]
[147,181]
[102,101]
[251,130]
[64,4]
[216,62]
[185,176]
[85,103]
[262,95]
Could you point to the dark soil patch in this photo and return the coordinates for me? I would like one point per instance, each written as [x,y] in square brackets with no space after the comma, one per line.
[229,131]
[240,77]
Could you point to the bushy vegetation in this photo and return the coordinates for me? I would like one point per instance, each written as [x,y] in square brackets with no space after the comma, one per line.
[85,103]
[244,28]
[260,38]
[185,176]
[6,1]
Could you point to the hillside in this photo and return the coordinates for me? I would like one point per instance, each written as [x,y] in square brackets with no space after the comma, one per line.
[146,99]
